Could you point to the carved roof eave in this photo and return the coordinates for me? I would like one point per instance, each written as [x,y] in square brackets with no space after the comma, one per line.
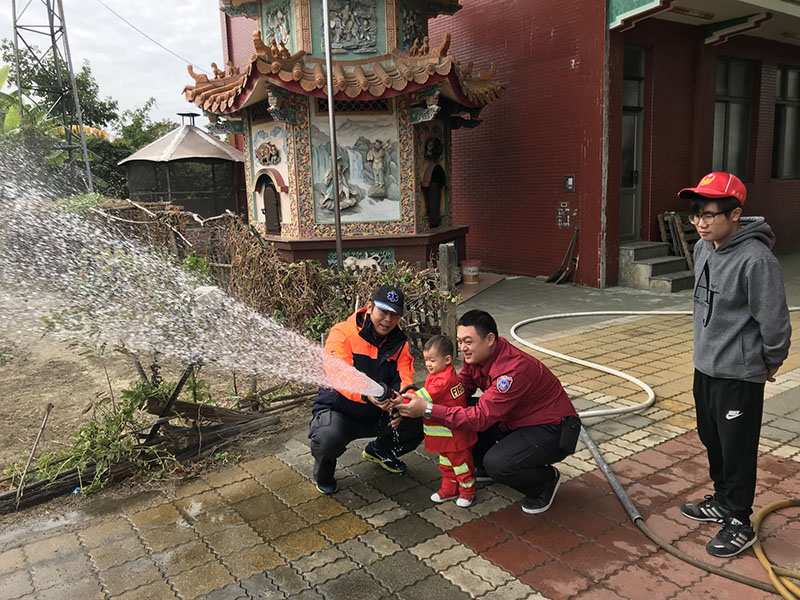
[384,76]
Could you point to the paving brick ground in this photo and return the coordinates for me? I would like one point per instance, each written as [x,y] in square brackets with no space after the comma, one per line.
[260,529]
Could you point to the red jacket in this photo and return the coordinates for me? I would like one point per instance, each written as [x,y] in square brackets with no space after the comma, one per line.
[444,389]
[518,390]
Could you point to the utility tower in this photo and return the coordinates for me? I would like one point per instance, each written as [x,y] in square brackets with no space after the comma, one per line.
[40,23]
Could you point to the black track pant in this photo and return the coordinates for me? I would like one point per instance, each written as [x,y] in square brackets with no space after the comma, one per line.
[521,458]
[330,432]
[729,424]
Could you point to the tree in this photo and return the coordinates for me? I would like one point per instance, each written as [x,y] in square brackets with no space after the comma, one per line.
[40,80]
[136,129]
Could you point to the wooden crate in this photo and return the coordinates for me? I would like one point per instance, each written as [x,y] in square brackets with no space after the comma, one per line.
[681,235]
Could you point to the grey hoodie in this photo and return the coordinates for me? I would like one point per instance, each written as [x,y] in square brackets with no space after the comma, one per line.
[741,321]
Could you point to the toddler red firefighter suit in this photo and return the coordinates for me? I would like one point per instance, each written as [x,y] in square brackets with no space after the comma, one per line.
[454,446]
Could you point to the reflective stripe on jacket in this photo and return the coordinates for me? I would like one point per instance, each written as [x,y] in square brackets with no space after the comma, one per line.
[444,389]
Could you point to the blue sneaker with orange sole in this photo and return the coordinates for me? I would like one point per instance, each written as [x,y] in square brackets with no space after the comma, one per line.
[384,458]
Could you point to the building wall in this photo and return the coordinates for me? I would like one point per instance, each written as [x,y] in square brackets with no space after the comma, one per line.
[237,45]
[508,173]
[670,95]
[679,123]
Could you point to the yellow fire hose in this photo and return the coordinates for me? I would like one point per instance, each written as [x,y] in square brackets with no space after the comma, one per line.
[778,575]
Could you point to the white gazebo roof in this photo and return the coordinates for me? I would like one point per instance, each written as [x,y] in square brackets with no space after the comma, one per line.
[185,143]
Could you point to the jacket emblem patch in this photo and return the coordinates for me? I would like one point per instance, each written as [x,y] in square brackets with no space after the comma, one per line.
[456,390]
[504,383]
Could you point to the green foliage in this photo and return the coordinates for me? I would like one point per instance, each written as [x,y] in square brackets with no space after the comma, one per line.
[38,78]
[109,177]
[198,268]
[136,128]
[107,439]
[5,356]
[83,202]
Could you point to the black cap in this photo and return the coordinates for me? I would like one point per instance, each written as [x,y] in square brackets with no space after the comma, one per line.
[388,297]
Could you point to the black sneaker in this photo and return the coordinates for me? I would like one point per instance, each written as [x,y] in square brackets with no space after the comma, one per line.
[539,504]
[384,458]
[707,510]
[734,537]
[326,488]
[481,476]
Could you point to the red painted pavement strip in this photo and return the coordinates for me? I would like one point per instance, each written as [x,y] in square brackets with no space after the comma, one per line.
[598,554]
[669,484]
[654,458]
[782,552]
[552,539]
[747,564]
[673,569]
[689,470]
[480,535]
[627,540]
[599,592]
[667,529]
[586,522]
[636,583]
[513,520]
[680,449]
[632,470]
[790,486]
[516,556]
[781,467]
[555,580]
[713,587]
[594,561]
[645,497]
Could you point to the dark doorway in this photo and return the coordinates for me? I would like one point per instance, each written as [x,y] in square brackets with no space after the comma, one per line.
[433,197]
[630,214]
[271,202]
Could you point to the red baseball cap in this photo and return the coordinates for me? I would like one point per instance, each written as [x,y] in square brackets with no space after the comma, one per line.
[717,185]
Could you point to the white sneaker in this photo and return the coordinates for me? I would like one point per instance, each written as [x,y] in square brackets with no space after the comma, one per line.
[464,502]
[436,497]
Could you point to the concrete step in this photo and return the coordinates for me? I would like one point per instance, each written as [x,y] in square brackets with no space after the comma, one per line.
[661,265]
[635,251]
[672,282]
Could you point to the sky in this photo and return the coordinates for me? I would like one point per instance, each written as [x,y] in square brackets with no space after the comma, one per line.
[126,65]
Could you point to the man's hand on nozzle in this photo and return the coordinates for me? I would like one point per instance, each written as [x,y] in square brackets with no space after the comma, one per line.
[412,406]
[386,404]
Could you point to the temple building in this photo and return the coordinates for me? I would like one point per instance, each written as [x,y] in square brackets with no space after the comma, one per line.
[398,95]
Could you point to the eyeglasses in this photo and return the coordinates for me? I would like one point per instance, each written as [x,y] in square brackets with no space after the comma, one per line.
[707,217]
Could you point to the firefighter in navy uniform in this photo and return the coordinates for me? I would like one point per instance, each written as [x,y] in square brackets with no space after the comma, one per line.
[371,341]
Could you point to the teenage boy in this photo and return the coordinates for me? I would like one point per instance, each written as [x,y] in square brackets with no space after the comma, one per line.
[741,338]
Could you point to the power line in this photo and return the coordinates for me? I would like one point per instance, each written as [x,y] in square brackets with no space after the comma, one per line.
[157,43]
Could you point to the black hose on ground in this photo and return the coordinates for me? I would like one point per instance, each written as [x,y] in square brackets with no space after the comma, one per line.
[636,517]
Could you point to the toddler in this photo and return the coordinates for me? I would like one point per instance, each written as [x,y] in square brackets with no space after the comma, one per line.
[454,447]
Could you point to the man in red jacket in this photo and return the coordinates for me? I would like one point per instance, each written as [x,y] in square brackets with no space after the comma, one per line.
[371,341]
[526,421]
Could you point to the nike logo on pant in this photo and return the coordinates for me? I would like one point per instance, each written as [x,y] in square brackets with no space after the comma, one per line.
[732,414]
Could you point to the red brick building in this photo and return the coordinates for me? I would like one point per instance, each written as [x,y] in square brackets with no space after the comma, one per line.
[629,100]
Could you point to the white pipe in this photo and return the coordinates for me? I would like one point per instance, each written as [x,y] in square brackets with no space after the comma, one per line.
[605,412]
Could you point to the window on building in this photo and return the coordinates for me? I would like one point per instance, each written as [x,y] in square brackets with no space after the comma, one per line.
[732,116]
[786,137]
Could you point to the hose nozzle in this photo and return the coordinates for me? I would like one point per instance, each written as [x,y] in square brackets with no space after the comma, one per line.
[385,394]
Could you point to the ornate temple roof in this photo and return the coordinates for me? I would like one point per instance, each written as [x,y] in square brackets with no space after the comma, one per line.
[384,76]
[250,7]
